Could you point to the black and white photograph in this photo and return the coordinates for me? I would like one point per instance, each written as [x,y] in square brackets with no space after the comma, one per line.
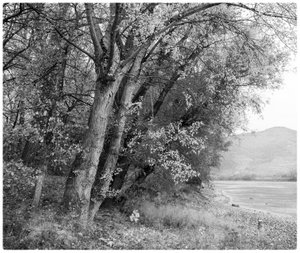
[149,125]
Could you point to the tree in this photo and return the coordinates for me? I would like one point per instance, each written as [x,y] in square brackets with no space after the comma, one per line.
[45,95]
[229,75]
[129,65]
[237,30]
[106,89]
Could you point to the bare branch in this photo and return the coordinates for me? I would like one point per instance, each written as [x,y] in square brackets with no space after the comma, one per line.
[73,44]
[94,30]
[21,9]
[274,15]
[117,9]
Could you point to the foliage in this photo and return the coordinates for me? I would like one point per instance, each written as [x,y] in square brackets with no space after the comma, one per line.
[155,144]
[14,140]
[134,217]
[19,181]
[18,188]
[73,72]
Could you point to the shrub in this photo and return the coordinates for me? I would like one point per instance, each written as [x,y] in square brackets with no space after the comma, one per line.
[14,140]
[18,181]
[18,187]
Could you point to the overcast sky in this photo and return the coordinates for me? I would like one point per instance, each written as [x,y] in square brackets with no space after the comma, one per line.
[282,107]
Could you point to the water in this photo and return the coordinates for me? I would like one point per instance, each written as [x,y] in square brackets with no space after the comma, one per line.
[275,197]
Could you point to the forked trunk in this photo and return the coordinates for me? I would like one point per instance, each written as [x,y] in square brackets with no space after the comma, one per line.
[115,143]
[93,143]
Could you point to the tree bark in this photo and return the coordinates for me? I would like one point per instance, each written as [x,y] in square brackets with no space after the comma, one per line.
[71,198]
[93,143]
[107,84]
[115,143]
[39,187]
[95,209]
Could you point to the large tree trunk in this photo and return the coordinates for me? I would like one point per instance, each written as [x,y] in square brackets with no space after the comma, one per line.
[115,143]
[94,140]
[109,76]
[110,165]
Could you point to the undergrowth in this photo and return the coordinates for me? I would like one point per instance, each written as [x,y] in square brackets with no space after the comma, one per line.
[157,223]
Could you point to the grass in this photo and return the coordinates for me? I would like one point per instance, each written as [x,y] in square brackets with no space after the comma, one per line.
[178,216]
[174,229]
[200,229]
[189,222]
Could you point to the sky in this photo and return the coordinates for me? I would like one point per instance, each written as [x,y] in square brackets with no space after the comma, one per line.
[281,109]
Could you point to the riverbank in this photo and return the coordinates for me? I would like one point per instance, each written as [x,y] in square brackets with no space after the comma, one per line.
[193,220]
[274,230]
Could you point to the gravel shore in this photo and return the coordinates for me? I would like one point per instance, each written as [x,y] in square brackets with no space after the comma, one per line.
[258,228]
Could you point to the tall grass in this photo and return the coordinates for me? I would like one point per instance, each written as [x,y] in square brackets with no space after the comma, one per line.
[179,216]
[200,229]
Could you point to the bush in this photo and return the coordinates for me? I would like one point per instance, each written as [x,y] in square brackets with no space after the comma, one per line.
[14,140]
[18,181]
[18,186]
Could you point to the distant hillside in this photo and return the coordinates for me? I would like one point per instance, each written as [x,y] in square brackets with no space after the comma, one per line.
[265,155]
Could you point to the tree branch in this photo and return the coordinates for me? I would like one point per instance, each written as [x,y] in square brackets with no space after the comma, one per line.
[169,24]
[274,15]
[77,99]
[95,31]
[21,9]
[6,65]
[60,34]
[113,35]
[74,45]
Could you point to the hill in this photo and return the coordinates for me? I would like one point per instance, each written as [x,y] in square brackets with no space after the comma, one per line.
[267,155]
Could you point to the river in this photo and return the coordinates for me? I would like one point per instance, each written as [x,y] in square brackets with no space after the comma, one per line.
[275,197]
